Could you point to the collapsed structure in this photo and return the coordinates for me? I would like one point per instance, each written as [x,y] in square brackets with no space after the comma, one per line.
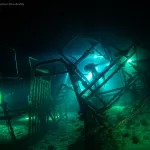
[89,89]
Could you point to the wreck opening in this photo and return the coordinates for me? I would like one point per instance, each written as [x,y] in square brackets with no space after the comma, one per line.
[106,86]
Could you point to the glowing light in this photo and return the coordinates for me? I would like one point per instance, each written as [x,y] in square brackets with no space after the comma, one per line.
[23,119]
[108,64]
[98,56]
[129,60]
[96,68]
[66,78]
[50,119]
[89,76]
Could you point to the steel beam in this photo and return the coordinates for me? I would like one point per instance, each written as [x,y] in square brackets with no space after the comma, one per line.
[120,66]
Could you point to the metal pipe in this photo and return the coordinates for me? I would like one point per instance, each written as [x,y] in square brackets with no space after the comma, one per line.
[85,54]
[121,92]
[31,58]
[113,90]
[127,73]
[16,62]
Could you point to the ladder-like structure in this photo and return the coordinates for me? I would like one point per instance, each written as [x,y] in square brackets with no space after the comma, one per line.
[90,89]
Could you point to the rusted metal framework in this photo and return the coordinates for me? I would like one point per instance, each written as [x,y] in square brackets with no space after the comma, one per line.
[59,107]
[43,108]
[39,103]
[89,88]
[6,113]
[42,105]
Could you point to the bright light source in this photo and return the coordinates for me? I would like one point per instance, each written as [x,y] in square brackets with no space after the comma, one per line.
[50,119]
[96,68]
[89,76]
[108,64]
[129,60]
[98,56]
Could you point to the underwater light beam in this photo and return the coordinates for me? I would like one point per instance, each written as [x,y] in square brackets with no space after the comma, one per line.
[89,76]
[129,60]
[98,56]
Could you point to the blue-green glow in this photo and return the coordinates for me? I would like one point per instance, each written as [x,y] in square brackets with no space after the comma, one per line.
[89,76]
[129,60]
[98,56]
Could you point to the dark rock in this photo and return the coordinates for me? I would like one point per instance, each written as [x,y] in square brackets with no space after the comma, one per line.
[51,147]
[42,147]
[30,148]
[135,139]
[126,134]
[46,141]
[146,137]
[63,139]
[73,120]
[144,122]
[79,129]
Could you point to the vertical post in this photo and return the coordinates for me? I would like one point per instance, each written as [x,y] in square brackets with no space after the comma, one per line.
[66,112]
[44,104]
[71,74]
[86,128]
[124,76]
[38,104]
[33,108]
[31,97]
[49,96]
[16,62]
[29,107]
